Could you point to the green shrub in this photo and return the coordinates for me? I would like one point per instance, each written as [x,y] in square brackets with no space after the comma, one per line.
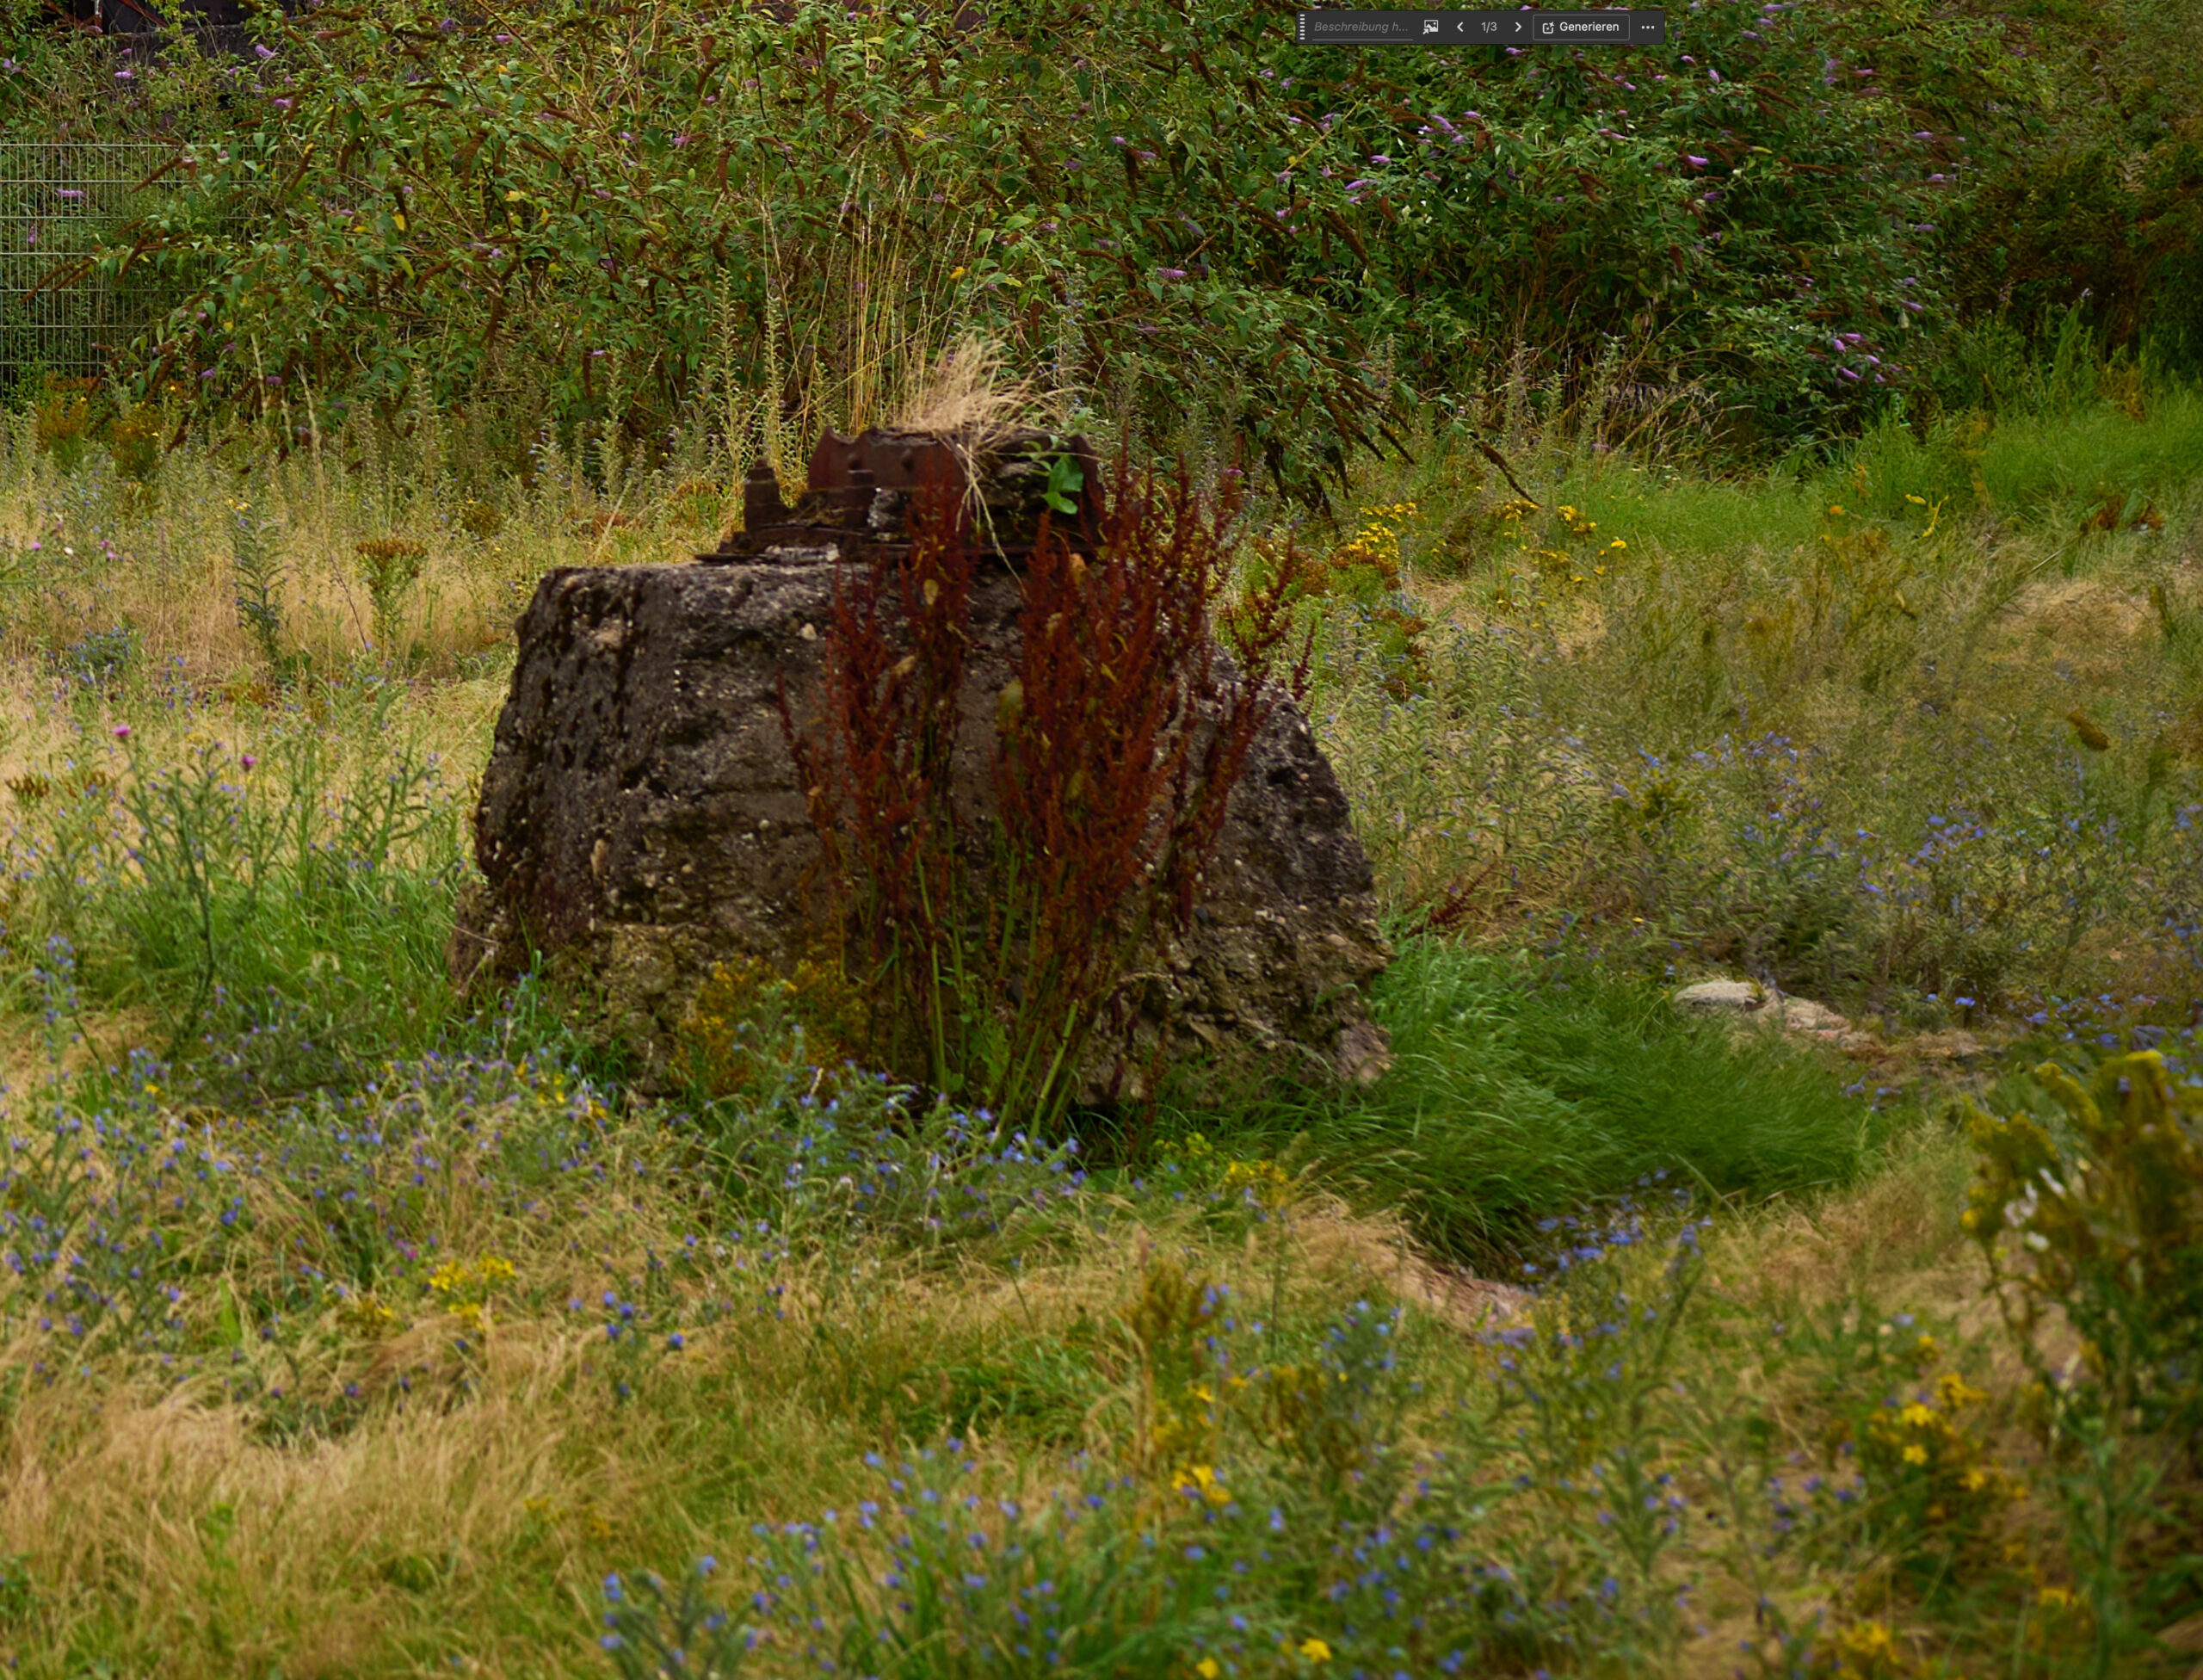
[576,222]
[2096,1219]
[2109,233]
[2108,1211]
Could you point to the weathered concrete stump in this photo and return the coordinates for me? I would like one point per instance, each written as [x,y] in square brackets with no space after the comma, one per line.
[641,819]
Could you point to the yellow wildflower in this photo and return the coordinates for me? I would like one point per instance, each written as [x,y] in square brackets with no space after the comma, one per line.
[1868,1641]
[1955,1391]
[1314,1650]
[1918,1416]
[1207,1669]
[1201,1479]
[1915,1453]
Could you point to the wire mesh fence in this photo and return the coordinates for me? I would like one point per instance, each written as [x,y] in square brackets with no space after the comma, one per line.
[60,201]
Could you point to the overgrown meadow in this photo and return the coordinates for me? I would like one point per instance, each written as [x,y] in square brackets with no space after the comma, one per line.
[358,1327]
[1748,522]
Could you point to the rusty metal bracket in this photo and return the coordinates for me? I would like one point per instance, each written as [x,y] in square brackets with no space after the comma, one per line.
[857,493]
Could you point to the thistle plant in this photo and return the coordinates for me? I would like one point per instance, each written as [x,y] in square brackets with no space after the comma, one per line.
[258,578]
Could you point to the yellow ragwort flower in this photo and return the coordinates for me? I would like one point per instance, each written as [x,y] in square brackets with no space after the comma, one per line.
[1201,1479]
[1867,1641]
[1955,1391]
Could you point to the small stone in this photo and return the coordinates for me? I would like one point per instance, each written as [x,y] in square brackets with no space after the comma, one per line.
[1742,995]
[1956,1046]
[1802,1015]
[1364,1053]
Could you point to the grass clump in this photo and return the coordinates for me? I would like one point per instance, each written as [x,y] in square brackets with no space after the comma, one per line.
[1520,1090]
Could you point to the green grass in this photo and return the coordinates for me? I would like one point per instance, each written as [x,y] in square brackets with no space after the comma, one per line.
[1521,1090]
[281,897]
[1816,730]
[2052,465]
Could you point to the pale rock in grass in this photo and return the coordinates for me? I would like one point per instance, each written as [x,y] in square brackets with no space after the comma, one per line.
[1802,1015]
[1738,996]
[1747,1003]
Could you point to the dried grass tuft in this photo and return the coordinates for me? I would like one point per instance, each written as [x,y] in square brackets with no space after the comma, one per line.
[966,393]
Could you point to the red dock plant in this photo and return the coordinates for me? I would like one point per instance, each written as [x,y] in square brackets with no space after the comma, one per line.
[993,921]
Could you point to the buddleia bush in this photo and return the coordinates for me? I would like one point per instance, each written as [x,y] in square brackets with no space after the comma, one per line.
[594,217]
